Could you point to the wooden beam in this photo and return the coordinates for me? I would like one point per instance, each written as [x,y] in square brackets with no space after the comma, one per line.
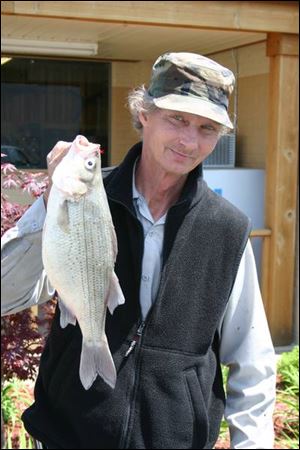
[281,187]
[260,233]
[280,44]
[253,16]
[265,278]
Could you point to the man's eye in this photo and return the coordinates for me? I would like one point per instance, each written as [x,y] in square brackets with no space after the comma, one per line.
[179,118]
[209,130]
[208,127]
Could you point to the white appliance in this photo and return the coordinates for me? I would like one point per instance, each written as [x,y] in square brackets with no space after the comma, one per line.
[244,188]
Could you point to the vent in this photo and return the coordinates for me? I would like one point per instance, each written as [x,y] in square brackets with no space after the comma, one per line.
[224,153]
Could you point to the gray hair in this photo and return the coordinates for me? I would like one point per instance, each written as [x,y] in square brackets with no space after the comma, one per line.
[140,101]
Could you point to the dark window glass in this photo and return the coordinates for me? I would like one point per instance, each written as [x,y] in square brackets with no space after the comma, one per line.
[44,101]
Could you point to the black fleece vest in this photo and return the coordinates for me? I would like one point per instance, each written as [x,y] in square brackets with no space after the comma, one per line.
[169,390]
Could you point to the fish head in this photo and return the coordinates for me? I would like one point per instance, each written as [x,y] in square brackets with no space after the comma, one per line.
[86,158]
[79,170]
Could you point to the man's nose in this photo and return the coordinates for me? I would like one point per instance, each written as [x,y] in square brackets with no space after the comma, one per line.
[189,138]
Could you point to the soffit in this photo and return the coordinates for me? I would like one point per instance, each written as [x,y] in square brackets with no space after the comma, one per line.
[125,41]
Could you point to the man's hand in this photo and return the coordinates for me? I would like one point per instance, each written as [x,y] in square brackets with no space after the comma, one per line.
[60,149]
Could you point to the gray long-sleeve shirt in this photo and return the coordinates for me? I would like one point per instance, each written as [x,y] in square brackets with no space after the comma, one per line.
[246,345]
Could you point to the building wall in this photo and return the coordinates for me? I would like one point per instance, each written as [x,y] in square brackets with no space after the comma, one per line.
[125,77]
[252,128]
[251,65]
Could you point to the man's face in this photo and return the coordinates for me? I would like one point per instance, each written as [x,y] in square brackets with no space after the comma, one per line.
[177,141]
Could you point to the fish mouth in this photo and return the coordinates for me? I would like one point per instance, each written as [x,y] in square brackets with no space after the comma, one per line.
[93,154]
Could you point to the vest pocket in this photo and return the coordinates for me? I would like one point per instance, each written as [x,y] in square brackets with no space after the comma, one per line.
[198,408]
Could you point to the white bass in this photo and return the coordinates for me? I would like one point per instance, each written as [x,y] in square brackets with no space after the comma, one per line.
[79,251]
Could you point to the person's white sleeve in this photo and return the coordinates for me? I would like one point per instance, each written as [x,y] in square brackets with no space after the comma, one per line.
[23,279]
[246,348]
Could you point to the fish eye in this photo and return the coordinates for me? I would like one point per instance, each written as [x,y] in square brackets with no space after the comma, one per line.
[90,163]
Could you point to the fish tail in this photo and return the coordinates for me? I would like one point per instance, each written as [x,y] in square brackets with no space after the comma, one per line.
[96,359]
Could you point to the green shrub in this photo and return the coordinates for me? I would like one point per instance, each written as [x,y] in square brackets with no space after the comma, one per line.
[288,369]
[16,396]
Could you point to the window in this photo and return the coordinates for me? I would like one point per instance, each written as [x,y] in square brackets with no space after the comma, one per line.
[44,101]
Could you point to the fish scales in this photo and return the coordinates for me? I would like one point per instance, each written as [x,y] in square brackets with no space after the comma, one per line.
[79,252]
[77,257]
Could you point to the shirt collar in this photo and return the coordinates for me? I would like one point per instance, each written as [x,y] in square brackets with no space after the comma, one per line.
[140,201]
[135,192]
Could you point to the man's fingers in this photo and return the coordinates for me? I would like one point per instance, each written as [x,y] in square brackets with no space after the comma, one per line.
[54,157]
[58,152]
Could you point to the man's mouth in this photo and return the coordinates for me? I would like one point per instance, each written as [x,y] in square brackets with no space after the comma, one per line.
[182,154]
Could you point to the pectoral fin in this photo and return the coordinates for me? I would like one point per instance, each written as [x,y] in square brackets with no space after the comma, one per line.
[114,241]
[115,295]
[66,316]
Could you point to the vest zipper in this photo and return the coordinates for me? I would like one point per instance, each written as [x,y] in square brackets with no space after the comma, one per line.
[135,339]
[131,348]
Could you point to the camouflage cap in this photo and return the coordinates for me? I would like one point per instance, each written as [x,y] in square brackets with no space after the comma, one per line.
[192,83]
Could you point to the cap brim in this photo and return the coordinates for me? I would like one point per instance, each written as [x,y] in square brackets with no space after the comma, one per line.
[192,105]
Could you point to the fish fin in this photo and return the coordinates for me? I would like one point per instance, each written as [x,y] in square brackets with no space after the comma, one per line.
[115,295]
[114,241]
[65,316]
[63,216]
[96,359]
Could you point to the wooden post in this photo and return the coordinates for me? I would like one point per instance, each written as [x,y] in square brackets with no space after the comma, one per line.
[281,182]
[265,235]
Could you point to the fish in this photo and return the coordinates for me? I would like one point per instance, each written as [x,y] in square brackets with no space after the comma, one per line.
[79,250]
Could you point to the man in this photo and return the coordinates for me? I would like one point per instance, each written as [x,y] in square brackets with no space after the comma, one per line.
[187,272]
